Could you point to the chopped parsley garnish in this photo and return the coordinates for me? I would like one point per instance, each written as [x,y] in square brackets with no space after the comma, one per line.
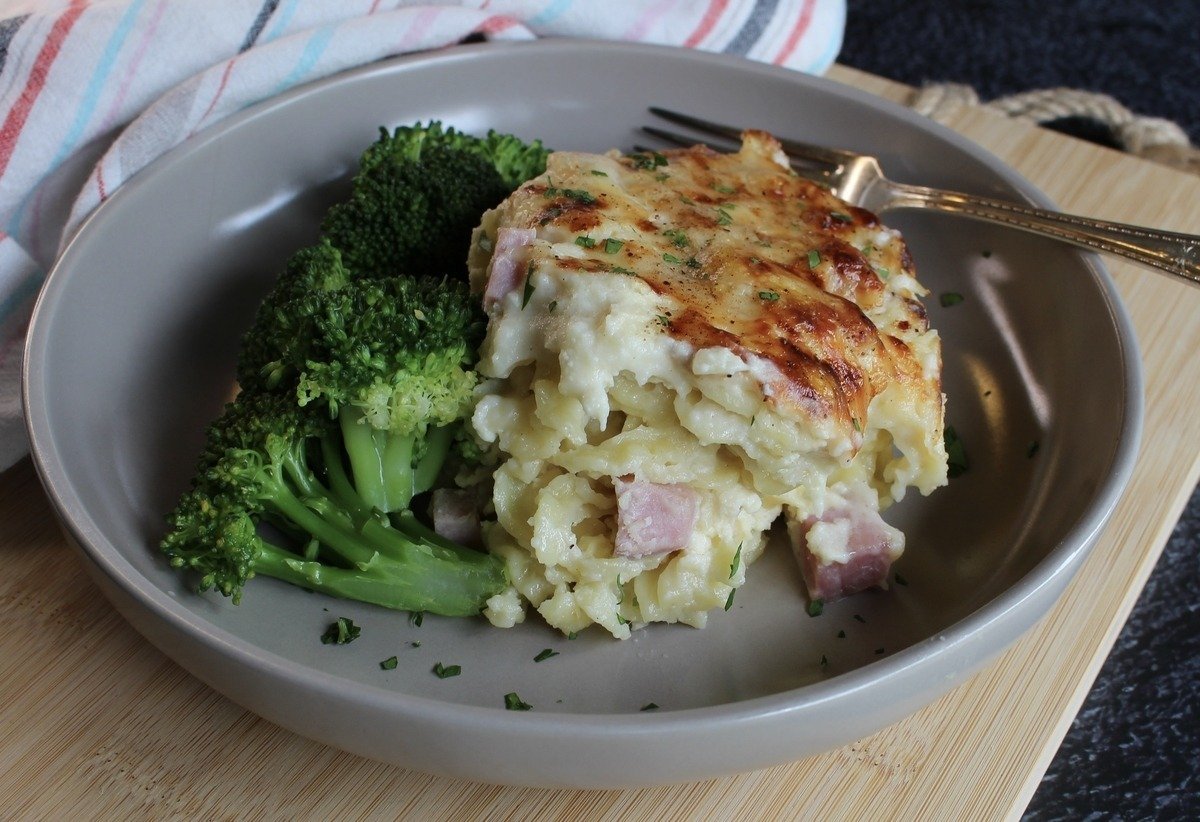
[949,298]
[662,176]
[389,664]
[616,269]
[692,262]
[882,272]
[720,188]
[649,706]
[814,259]
[729,599]
[416,643]
[577,194]
[677,237]
[528,292]
[415,618]
[545,653]
[841,634]
[956,455]
[816,607]
[841,217]
[755,260]
[686,200]
[769,296]
[824,661]
[340,632]
[900,580]
[857,424]
[573,635]
[663,319]
[585,242]
[612,246]
[723,215]
[737,561]
[599,173]
[512,702]
[1032,449]
[671,258]
[553,305]
[648,160]
[446,671]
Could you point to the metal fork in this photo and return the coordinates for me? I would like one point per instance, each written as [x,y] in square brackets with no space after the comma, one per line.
[858,179]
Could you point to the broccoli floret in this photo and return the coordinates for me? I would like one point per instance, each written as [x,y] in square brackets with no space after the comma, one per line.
[391,361]
[515,160]
[257,468]
[356,376]
[418,193]
[272,350]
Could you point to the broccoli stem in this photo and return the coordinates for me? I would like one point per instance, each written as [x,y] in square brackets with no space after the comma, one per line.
[437,446]
[406,522]
[397,470]
[366,461]
[339,483]
[381,462]
[423,581]
[334,536]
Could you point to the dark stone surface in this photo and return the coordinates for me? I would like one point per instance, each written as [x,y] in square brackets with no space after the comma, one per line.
[1147,55]
[1133,752]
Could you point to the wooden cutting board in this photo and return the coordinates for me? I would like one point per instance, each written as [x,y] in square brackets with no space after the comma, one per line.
[96,722]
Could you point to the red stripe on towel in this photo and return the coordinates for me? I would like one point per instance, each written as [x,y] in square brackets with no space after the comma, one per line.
[715,9]
[806,15]
[495,24]
[19,113]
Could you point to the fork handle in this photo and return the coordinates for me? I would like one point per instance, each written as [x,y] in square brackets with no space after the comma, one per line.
[1168,251]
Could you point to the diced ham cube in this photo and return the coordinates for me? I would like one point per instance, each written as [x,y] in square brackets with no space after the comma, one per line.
[853,531]
[455,516]
[504,272]
[653,518]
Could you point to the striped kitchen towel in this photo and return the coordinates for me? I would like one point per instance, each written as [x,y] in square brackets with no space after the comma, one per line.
[93,90]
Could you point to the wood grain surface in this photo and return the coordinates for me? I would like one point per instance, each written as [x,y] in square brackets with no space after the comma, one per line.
[96,723]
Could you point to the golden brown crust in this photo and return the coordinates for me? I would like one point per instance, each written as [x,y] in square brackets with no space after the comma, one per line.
[753,259]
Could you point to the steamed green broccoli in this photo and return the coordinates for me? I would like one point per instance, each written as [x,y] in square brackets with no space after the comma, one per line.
[356,375]
[257,468]
[391,360]
[419,192]
[271,356]
[388,358]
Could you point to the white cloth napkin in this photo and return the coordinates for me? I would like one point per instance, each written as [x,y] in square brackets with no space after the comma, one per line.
[93,90]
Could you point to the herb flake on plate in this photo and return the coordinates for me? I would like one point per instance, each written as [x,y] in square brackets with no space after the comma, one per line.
[513,702]
[341,632]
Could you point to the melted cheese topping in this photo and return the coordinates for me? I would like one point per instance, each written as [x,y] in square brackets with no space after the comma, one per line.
[698,318]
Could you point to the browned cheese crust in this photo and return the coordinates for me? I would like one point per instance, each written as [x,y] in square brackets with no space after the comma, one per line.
[756,260]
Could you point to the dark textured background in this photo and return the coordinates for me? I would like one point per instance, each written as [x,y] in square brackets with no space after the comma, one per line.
[1133,752]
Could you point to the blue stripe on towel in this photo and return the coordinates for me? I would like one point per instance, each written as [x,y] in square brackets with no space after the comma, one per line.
[752,30]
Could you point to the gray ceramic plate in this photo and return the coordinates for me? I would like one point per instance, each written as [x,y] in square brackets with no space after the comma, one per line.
[132,350]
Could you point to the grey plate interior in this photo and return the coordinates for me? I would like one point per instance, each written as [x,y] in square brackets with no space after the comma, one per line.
[132,352]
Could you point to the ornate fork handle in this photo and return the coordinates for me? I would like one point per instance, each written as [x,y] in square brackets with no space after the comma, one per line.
[1177,254]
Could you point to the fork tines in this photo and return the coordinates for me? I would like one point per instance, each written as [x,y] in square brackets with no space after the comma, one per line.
[804,153]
